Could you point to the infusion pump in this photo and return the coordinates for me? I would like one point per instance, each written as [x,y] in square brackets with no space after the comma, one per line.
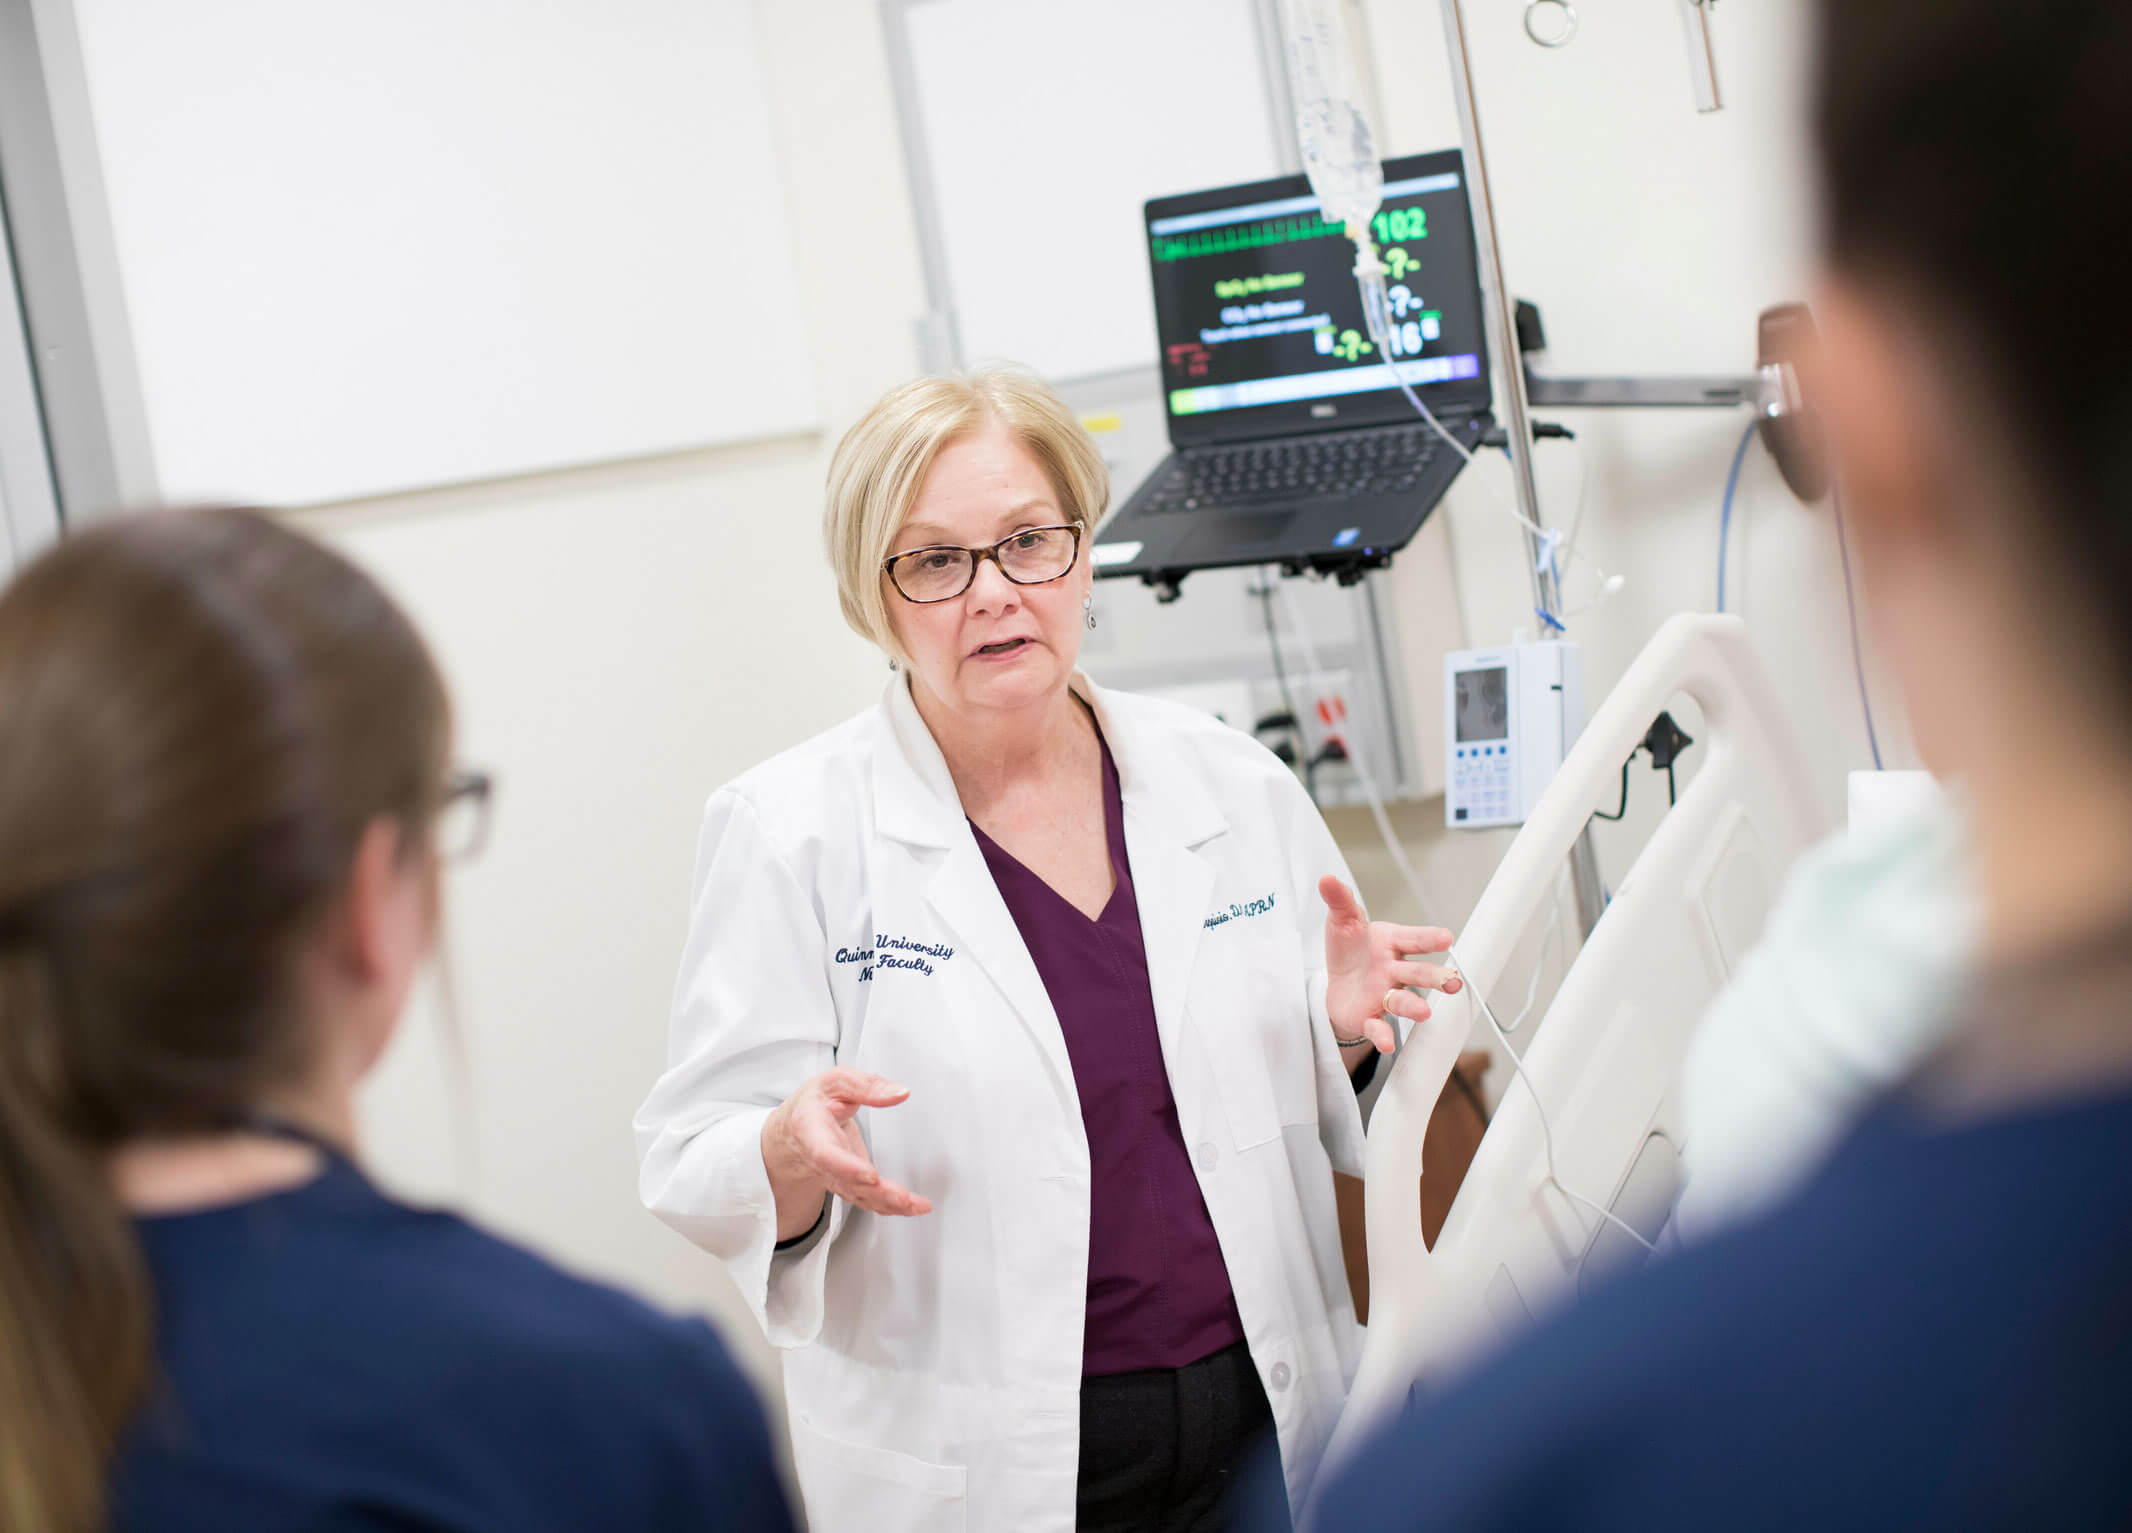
[1510,715]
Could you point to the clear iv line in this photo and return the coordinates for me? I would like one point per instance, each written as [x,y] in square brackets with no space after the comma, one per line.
[1547,1136]
[1376,316]
[1540,963]
[1356,759]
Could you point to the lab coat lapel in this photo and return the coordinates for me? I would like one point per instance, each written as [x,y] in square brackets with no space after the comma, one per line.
[1169,815]
[1173,885]
[915,802]
[962,893]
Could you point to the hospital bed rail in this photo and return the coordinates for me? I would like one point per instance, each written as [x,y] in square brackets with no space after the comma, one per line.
[1604,1059]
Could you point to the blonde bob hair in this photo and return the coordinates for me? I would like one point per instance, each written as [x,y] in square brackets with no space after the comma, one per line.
[882,462]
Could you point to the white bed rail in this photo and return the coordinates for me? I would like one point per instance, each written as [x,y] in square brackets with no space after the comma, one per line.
[1605,1057]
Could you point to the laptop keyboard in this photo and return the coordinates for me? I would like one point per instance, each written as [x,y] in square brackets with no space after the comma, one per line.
[1299,468]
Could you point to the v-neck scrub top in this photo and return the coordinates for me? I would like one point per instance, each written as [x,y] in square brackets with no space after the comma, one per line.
[1158,1288]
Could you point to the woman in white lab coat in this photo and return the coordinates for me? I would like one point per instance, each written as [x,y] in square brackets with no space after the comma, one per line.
[1014,1042]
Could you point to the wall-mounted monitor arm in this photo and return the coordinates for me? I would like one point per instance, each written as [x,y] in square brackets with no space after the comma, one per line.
[1644,393]
[1773,390]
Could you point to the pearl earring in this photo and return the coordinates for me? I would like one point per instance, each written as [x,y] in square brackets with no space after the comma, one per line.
[1088,605]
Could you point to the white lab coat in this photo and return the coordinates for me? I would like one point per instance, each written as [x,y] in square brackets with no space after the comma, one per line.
[843,914]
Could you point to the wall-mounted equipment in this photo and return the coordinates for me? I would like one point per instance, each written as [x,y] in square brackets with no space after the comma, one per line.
[1510,715]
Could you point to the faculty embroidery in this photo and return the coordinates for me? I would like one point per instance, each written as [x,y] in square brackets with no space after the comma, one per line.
[892,952]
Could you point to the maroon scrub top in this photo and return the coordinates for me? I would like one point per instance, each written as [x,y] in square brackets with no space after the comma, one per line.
[1158,1289]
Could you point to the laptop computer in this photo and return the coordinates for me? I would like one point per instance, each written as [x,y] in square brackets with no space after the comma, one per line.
[1292,443]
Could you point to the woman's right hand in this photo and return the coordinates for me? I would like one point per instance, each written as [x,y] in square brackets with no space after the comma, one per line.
[811,1147]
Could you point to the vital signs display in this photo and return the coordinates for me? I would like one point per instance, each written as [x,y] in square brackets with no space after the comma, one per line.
[1257,307]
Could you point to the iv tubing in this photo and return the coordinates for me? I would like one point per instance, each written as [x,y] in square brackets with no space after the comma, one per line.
[1356,757]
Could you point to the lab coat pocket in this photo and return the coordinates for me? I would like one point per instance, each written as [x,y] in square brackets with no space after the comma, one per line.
[1275,1023]
[851,1485]
[1239,1051]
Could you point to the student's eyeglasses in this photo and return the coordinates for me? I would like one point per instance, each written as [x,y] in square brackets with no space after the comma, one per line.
[462,827]
[942,571]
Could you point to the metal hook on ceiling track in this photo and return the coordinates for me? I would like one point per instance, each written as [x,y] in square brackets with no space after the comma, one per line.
[1550,23]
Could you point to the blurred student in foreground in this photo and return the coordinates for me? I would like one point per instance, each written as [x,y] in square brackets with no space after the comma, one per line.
[225,789]
[1937,1329]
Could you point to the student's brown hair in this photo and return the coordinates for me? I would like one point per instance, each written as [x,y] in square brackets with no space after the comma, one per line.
[200,714]
[1975,158]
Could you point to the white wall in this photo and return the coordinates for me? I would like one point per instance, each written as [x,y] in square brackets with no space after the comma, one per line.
[621,639]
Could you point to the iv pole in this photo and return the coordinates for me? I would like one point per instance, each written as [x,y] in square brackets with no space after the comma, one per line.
[1501,315]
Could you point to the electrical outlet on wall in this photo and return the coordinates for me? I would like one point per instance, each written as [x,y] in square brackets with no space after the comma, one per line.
[1324,699]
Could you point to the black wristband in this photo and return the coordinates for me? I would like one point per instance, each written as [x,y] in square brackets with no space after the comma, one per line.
[808,1233]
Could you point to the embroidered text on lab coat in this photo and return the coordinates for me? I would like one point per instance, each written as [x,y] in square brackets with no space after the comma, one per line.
[1241,912]
[891,952]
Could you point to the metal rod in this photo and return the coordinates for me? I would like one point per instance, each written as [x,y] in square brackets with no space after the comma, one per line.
[1500,311]
[65,255]
[29,501]
[1584,878]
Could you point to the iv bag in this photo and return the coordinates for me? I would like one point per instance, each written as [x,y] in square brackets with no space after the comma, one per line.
[1332,130]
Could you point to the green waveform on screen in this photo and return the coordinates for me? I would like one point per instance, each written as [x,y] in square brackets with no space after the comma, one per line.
[1391,225]
[1274,231]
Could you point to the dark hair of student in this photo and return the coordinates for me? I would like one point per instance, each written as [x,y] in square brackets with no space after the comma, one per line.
[1976,155]
[200,713]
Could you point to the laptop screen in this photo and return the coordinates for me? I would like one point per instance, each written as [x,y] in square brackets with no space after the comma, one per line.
[1261,325]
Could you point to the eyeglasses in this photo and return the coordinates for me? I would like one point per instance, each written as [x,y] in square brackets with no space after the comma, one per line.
[942,572]
[462,825]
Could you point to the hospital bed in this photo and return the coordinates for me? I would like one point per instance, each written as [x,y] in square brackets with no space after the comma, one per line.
[1603,1062]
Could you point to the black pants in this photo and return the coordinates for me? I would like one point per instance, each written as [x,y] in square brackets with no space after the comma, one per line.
[1161,1449]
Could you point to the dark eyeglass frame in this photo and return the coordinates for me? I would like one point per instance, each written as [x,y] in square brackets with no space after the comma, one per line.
[468,785]
[978,557]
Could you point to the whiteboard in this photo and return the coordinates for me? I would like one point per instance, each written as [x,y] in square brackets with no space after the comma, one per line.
[1045,127]
[371,246]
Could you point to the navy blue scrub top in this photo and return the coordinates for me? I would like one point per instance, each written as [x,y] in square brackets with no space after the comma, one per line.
[330,1359]
[1936,1332]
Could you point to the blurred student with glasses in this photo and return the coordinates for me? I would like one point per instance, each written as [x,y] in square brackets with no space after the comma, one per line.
[224,800]
[1014,1044]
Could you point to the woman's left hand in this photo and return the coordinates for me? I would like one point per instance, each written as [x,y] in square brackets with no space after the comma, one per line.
[1371,969]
